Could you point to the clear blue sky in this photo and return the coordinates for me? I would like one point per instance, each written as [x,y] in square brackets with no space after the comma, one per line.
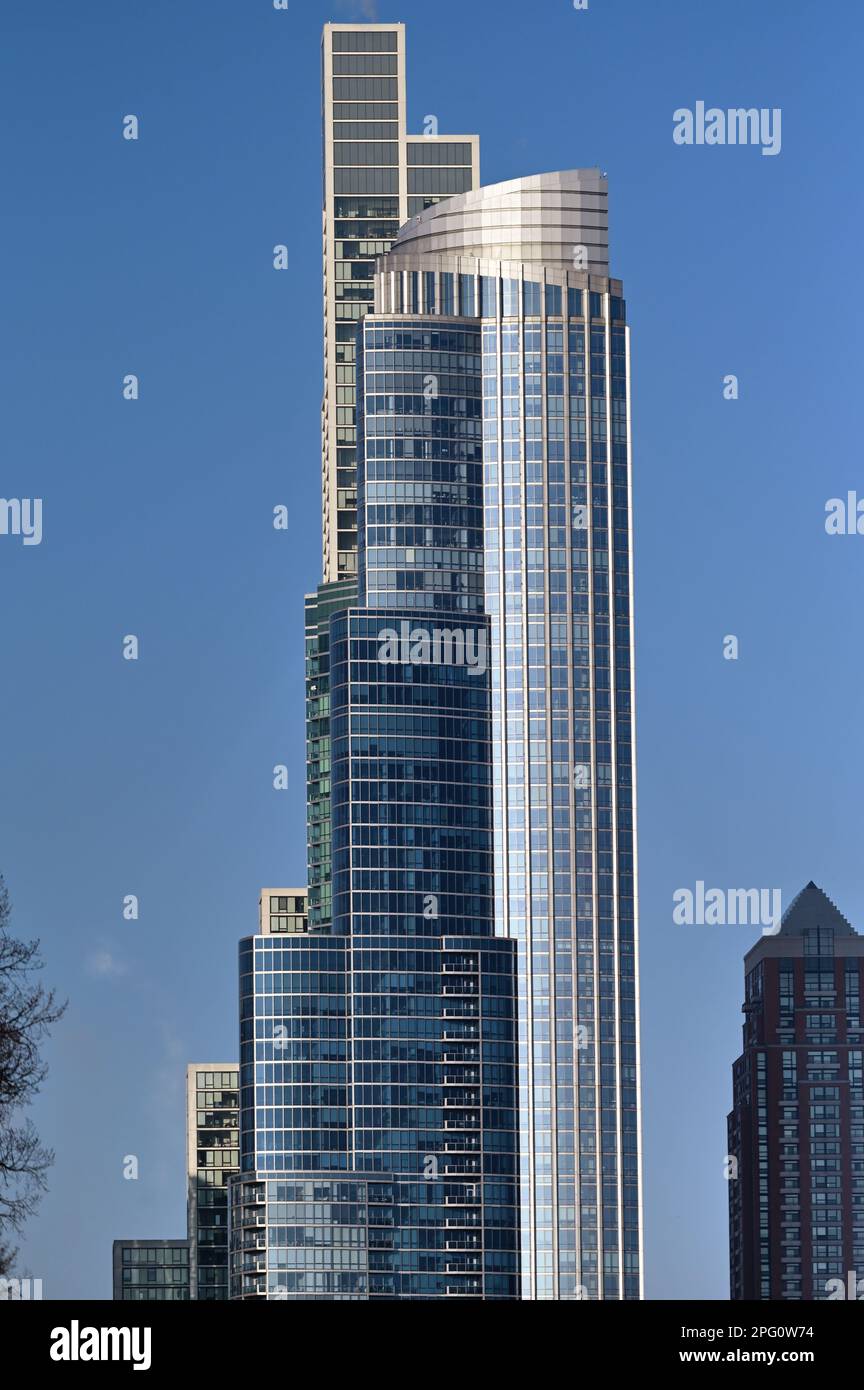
[155,778]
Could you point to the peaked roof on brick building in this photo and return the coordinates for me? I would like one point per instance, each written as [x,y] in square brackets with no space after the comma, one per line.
[813,908]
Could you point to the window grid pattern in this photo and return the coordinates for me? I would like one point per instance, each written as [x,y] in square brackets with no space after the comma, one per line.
[558,592]
[149,1273]
[215,1121]
[375,177]
[796,1131]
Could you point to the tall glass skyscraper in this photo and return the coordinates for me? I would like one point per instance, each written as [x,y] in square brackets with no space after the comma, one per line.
[470,743]
[522,269]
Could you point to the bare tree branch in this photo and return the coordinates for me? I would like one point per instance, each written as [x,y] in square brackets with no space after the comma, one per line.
[27,1011]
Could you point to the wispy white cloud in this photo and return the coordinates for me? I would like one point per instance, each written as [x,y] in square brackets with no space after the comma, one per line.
[105,966]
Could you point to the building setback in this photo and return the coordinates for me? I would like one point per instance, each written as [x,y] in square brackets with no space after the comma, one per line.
[796,1130]
[377,1055]
[470,746]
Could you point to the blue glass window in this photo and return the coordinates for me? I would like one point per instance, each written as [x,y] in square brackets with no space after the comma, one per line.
[553,299]
[446,293]
[467,296]
[511,298]
[530,297]
[489,296]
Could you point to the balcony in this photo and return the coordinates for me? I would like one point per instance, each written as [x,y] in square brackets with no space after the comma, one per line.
[460,1168]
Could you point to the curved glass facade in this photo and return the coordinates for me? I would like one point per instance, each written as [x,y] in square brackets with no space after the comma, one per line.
[420,485]
[557,567]
[411,775]
[433,990]
[472,781]
[294,1054]
[558,595]
[381,1052]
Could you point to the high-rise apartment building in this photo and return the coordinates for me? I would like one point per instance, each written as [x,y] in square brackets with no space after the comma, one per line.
[376,176]
[514,277]
[439,1047]
[212,1155]
[796,1130]
[470,743]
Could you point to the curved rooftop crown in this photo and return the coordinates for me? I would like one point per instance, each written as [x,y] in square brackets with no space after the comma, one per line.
[536,220]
